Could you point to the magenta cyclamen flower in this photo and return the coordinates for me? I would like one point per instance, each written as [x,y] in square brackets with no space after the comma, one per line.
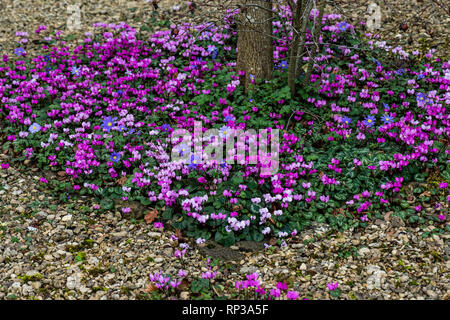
[332,286]
[5,165]
[292,295]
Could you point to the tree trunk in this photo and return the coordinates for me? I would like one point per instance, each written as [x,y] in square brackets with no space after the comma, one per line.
[255,46]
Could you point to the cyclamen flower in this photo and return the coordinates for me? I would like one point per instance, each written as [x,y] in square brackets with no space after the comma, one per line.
[292,295]
[364,218]
[200,240]
[158,225]
[5,166]
[332,286]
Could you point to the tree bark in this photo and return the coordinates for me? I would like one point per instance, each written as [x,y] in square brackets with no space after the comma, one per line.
[255,44]
[293,51]
[315,47]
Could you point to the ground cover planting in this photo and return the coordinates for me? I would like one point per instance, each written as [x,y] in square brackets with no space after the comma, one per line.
[368,131]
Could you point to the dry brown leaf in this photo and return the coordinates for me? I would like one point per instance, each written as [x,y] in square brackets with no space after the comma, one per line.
[272,241]
[61,173]
[150,288]
[150,216]
[178,234]
[387,216]
[122,181]
[185,285]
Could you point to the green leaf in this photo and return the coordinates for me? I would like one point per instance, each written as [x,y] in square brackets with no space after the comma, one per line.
[225,238]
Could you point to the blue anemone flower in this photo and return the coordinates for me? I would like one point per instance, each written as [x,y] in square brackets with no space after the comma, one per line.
[19,51]
[108,123]
[35,127]
[343,26]
[369,121]
[115,157]
[387,119]
[165,127]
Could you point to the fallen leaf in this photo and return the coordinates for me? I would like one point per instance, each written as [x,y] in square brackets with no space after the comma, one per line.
[387,216]
[150,288]
[272,241]
[178,234]
[122,181]
[185,285]
[150,216]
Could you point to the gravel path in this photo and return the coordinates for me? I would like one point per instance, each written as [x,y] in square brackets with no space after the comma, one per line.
[53,250]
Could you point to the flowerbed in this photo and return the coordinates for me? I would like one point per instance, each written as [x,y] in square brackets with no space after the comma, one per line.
[372,119]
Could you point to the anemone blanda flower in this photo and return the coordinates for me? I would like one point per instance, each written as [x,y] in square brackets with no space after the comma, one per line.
[369,121]
[75,70]
[35,127]
[347,120]
[165,127]
[115,157]
[183,149]
[224,132]
[387,119]
[19,51]
[283,64]
[229,118]
[108,123]
[194,161]
[343,26]
[421,97]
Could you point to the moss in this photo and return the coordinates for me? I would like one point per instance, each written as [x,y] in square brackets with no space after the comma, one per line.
[96,271]
[35,277]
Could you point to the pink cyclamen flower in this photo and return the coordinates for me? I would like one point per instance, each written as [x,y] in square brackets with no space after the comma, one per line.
[158,225]
[43,180]
[282,285]
[332,286]
[441,217]
[292,295]
[5,165]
